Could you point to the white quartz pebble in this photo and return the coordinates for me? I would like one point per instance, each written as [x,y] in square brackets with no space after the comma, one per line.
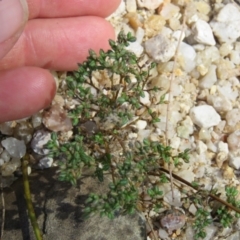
[5,156]
[40,138]
[45,162]
[205,116]
[131,5]
[16,148]
[146,99]
[160,48]
[176,201]
[210,78]
[226,26]
[220,102]
[234,161]
[234,140]
[149,4]
[202,33]
[141,124]
[136,47]
[187,55]
[169,10]
[223,147]
[235,57]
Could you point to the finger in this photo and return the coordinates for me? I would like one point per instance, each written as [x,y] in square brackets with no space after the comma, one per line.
[11,27]
[71,8]
[58,43]
[24,91]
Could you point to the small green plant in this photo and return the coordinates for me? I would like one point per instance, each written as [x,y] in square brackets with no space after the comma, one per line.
[225,215]
[203,219]
[108,89]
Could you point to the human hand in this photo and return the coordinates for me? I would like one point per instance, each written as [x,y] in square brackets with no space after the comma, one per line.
[38,35]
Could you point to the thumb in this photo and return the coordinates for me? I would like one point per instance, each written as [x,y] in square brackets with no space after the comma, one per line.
[13,16]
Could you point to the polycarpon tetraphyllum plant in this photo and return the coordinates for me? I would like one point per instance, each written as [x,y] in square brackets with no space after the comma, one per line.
[109,87]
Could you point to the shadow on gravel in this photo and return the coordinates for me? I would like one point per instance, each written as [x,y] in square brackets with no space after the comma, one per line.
[59,210]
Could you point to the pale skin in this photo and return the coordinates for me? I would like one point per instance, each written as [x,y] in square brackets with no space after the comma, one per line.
[57,35]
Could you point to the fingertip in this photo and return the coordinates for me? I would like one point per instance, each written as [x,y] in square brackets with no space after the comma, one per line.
[25,91]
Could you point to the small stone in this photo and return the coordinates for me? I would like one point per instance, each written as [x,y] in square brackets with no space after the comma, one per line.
[136,47]
[203,7]
[16,162]
[160,48]
[210,78]
[133,20]
[234,140]
[211,146]
[176,201]
[141,124]
[186,128]
[192,209]
[223,147]
[149,4]
[6,128]
[16,148]
[163,234]
[23,131]
[45,162]
[40,138]
[190,234]
[5,156]
[220,102]
[175,142]
[146,99]
[226,25]
[201,147]
[8,169]
[173,220]
[56,119]
[235,57]
[143,134]
[205,116]
[228,172]
[169,11]
[204,134]
[221,158]
[203,33]
[89,128]
[233,117]
[187,55]
[234,236]
[36,120]
[234,161]
[227,91]
[58,100]
[153,25]
[225,49]
[187,174]
[131,5]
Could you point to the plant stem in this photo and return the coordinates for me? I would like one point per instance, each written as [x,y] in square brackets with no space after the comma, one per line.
[28,199]
[197,189]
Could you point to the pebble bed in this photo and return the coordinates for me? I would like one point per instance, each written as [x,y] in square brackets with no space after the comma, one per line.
[203,104]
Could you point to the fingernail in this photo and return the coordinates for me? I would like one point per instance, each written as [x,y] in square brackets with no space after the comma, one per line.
[13,15]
